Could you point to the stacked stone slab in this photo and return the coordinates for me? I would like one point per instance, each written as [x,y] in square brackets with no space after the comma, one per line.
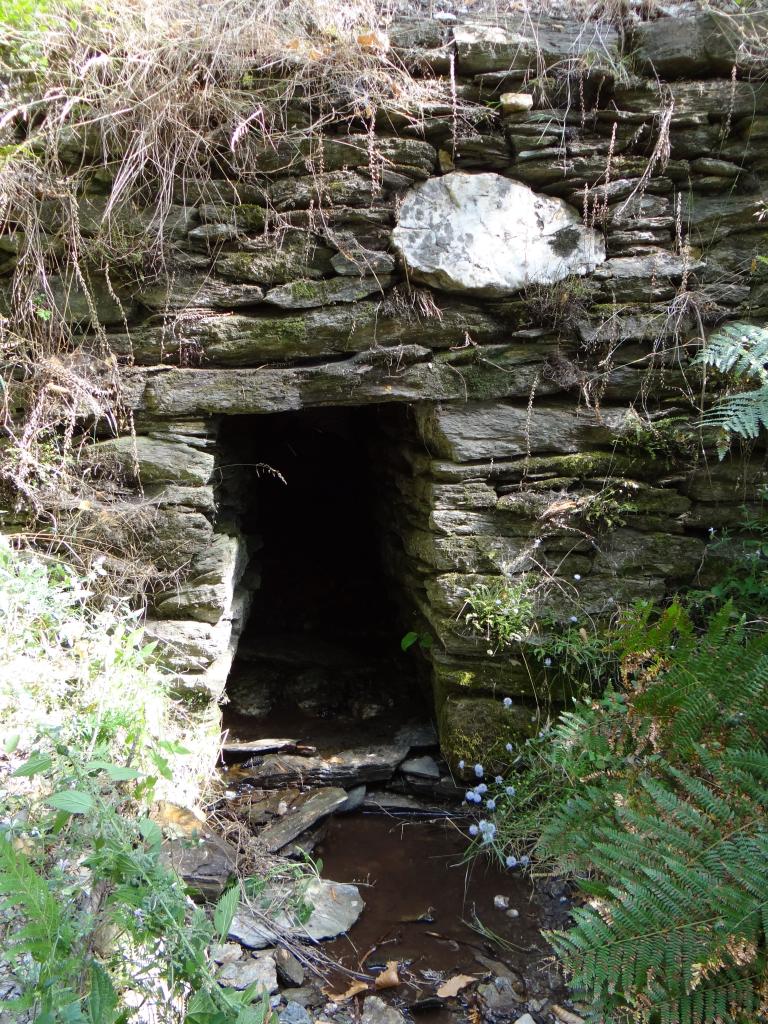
[529,344]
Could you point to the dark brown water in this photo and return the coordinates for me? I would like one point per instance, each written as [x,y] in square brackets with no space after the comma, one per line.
[426,909]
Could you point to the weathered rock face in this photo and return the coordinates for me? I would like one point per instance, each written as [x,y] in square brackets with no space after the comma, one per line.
[484,235]
[534,380]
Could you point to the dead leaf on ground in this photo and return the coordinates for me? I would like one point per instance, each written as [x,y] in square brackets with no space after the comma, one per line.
[389,978]
[373,41]
[354,989]
[454,985]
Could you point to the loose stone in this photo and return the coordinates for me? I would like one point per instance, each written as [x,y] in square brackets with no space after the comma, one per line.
[294,1013]
[376,1011]
[239,975]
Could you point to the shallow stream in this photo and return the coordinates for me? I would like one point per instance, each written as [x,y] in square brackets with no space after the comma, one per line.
[428,907]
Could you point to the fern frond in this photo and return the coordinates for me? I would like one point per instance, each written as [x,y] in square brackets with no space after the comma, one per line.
[740,349]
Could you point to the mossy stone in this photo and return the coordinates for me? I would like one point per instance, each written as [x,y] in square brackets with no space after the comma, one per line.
[477,731]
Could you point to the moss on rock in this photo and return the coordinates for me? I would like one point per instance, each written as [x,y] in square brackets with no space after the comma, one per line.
[476,730]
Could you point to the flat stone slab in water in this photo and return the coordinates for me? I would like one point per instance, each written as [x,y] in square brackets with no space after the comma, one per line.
[318,805]
[266,746]
[376,1011]
[423,767]
[347,768]
[335,908]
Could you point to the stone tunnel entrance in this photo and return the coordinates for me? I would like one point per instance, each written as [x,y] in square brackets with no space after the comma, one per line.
[320,651]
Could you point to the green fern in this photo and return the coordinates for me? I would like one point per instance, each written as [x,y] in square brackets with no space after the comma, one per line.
[673,832]
[740,350]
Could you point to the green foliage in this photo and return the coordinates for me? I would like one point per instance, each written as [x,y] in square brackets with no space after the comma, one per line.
[667,440]
[92,919]
[500,611]
[424,640]
[741,352]
[581,658]
[742,560]
[665,813]
[67,886]
[607,508]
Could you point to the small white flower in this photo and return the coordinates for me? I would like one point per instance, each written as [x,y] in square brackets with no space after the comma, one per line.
[461,765]
[479,771]
[508,747]
[507,702]
[577,576]
[537,543]
[547,662]
[574,618]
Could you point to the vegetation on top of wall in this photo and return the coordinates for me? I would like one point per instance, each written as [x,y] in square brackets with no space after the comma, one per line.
[141,106]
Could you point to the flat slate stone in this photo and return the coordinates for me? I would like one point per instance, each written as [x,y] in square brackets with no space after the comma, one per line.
[266,746]
[206,865]
[484,235]
[418,734]
[335,908]
[424,767]
[285,829]
[347,768]
[309,294]
[158,461]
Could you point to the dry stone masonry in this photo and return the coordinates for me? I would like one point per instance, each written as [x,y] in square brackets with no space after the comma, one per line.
[513,278]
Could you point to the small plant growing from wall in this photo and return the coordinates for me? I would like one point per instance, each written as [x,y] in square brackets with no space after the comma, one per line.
[501,611]
[739,352]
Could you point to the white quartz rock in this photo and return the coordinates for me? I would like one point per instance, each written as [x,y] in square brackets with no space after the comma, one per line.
[486,235]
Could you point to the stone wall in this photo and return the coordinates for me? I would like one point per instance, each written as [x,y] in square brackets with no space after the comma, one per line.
[535,337]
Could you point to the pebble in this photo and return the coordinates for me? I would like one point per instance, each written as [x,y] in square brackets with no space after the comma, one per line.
[525,1019]
[512,912]
[288,968]
[501,902]
[294,1013]
[376,1011]
[226,952]
[242,973]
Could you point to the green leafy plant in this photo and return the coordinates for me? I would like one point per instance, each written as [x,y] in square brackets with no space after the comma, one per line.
[500,611]
[424,641]
[607,508]
[86,871]
[94,921]
[740,351]
[743,578]
[666,822]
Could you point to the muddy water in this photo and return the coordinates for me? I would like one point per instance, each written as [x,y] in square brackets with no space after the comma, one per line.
[426,908]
